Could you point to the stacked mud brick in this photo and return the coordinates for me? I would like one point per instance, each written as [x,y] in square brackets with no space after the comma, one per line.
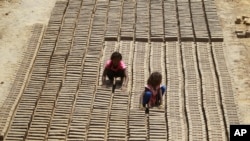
[128,21]
[62,99]
[11,101]
[84,94]
[186,29]
[24,122]
[97,118]
[113,23]
[211,94]
[66,61]
[227,94]
[157,121]
[118,119]
[176,118]
[156,21]
[194,107]
[242,31]
[142,21]
[170,21]
[137,120]
[213,22]
[199,22]
[119,110]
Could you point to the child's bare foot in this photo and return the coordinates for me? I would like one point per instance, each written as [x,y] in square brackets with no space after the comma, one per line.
[103,85]
[141,107]
[123,88]
[160,106]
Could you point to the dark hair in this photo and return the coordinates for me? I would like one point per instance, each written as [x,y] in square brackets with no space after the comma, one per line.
[116,55]
[155,79]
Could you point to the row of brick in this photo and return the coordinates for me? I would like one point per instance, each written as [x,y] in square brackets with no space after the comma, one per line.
[176,113]
[161,20]
[97,123]
[138,122]
[21,122]
[157,119]
[210,93]
[9,105]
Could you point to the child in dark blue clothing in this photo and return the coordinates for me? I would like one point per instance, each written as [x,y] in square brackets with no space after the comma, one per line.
[154,91]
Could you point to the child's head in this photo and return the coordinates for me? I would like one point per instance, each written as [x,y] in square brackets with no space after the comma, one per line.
[155,79]
[116,57]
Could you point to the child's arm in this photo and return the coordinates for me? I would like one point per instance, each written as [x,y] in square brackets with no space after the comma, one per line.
[125,83]
[104,75]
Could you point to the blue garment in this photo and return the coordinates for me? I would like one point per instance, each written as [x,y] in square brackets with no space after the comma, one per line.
[148,94]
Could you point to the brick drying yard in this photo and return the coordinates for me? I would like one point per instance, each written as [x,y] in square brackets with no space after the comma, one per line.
[54,92]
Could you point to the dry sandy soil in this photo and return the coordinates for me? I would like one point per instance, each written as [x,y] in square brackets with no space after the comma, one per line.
[237,52]
[18,16]
[16,20]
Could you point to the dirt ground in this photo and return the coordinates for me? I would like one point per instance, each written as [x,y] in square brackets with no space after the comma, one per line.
[18,16]
[237,52]
[16,20]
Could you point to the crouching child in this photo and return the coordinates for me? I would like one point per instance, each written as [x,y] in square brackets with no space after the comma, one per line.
[153,92]
[114,68]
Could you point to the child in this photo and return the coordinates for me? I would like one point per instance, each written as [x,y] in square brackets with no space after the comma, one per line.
[115,67]
[153,93]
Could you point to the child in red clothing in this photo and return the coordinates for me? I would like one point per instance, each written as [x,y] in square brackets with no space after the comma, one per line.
[153,93]
[115,67]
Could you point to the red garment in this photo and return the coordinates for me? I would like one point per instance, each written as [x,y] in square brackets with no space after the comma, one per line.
[152,99]
[109,65]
